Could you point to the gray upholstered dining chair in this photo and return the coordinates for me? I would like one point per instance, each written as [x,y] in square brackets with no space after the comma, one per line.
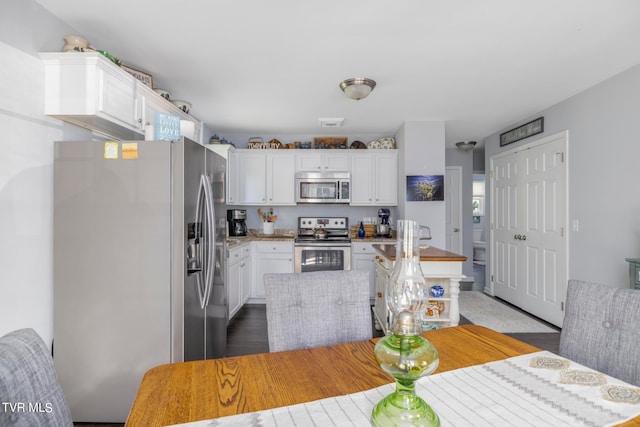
[601,329]
[313,309]
[29,389]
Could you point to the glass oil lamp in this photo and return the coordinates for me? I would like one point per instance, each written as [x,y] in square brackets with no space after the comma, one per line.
[403,353]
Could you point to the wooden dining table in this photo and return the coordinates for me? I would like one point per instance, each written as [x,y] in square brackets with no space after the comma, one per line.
[192,391]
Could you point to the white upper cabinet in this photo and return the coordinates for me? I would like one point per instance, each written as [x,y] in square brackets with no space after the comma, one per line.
[88,90]
[322,161]
[261,177]
[281,188]
[374,178]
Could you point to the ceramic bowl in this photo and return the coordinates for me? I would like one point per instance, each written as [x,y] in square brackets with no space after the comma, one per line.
[183,105]
[163,93]
[76,41]
[387,143]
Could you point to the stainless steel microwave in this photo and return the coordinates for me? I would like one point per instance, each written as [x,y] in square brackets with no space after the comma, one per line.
[323,187]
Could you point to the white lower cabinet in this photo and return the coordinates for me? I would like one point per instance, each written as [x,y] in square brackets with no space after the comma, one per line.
[362,258]
[238,276]
[269,257]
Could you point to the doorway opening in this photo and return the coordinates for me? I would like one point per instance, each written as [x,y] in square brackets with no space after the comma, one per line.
[479,233]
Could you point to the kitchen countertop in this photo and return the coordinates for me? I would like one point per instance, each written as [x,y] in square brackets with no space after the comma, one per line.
[253,235]
[429,253]
[285,235]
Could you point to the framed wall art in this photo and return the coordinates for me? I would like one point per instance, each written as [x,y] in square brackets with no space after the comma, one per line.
[425,188]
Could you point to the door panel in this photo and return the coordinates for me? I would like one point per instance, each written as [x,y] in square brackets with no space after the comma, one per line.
[528,217]
[505,212]
[544,229]
[453,207]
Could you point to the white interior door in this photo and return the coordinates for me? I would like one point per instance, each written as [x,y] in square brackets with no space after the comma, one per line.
[505,252]
[453,203]
[529,203]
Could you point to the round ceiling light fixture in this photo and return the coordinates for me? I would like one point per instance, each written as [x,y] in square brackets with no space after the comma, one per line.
[466,145]
[357,88]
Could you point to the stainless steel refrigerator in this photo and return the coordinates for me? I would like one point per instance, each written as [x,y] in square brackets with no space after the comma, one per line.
[139,281]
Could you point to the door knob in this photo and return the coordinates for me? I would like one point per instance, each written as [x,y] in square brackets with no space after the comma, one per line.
[455,230]
[523,237]
[517,237]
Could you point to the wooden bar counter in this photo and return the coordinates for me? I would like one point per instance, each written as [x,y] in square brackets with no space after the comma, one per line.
[427,253]
[439,267]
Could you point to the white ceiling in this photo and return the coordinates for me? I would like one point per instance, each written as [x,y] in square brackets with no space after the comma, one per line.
[273,67]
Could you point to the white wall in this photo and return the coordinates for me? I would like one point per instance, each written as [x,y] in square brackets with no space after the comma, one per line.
[421,146]
[603,156]
[26,173]
[455,157]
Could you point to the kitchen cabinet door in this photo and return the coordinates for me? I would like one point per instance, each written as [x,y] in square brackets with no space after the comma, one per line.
[233,178]
[362,179]
[270,257]
[251,176]
[239,278]
[116,99]
[374,178]
[362,258]
[234,289]
[322,161]
[386,177]
[280,178]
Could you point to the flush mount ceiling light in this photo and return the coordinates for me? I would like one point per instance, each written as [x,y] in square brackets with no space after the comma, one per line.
[466,145]
[357,88]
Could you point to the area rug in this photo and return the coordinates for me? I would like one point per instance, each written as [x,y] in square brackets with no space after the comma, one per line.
[482,310]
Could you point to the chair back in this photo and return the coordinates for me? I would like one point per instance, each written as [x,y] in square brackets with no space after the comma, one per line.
[29,387]
[313,309]
[601,329]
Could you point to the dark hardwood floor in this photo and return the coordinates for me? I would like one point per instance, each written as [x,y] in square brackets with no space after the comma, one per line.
[247,332]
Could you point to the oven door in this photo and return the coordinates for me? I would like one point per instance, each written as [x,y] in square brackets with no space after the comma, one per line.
[324,256]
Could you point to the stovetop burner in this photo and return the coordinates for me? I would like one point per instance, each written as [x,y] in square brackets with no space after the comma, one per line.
[337,229]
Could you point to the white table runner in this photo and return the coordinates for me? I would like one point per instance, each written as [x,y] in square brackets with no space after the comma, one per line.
[538,389]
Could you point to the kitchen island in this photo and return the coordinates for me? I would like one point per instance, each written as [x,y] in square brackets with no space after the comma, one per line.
[440,267]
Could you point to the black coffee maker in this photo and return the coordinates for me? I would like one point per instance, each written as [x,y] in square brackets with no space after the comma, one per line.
[237,219]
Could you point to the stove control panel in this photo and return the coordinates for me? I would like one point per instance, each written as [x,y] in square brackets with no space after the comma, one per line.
[333,223]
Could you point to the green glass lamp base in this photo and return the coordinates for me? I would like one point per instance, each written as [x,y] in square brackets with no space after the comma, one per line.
[403,409]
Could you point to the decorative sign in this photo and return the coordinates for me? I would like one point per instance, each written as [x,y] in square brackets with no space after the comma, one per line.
[534,127]
[145,78]
[166,127]
[425,188]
